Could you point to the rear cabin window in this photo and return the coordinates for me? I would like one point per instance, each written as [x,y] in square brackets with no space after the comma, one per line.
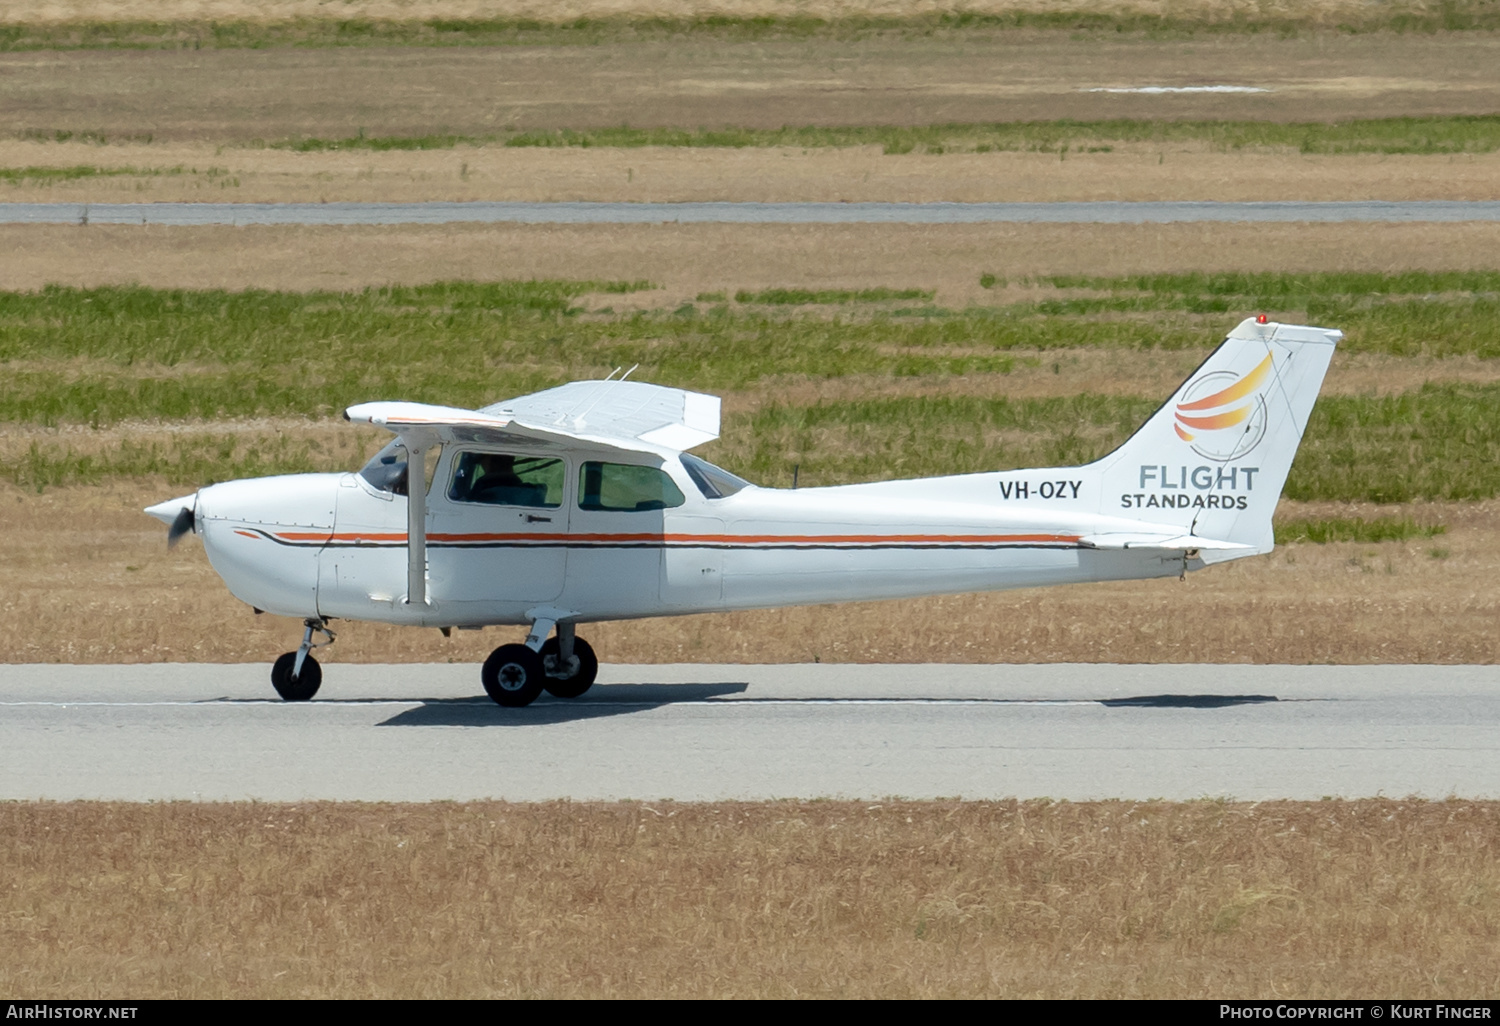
[500,479]
[625,487]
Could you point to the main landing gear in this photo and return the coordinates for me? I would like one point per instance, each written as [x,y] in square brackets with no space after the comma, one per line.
[513,675]
[297,675]
[565,665]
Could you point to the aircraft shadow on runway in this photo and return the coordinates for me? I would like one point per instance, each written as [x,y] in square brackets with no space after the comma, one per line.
[601,700]
[1185,701]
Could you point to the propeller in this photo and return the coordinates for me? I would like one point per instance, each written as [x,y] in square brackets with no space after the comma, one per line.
[184,522]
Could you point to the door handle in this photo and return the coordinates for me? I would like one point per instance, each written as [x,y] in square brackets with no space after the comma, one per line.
[532,518]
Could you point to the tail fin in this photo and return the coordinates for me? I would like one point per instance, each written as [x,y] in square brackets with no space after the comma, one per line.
[1214,458]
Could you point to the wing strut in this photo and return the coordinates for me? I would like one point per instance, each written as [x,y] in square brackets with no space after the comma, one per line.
[416,522]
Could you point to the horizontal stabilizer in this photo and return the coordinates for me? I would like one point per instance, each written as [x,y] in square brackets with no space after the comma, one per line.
[1162,542]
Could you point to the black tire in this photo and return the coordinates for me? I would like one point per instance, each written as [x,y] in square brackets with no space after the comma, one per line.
[570,685]
[304,686]
[513,675]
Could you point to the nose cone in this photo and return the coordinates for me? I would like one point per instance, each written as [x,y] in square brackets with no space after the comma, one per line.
[263,537]
[292,501]
[167,512]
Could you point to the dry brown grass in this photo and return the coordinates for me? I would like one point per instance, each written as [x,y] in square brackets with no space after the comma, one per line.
[1391,899]
[226,96]
[689,259]
[89,580]
[558,11]
[199,172]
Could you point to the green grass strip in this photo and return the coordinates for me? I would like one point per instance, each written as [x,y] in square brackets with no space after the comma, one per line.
[1355,529]
[1435,135]
[1450,16]
[808,297]
[51,175]
[1417,135]
[98,356]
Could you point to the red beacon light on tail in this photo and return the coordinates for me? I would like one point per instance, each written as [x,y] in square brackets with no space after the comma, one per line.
[1260,318]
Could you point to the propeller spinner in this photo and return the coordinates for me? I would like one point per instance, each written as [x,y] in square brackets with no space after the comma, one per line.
[180,516]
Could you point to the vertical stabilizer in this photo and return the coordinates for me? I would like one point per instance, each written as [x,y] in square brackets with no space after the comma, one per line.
[1214,458]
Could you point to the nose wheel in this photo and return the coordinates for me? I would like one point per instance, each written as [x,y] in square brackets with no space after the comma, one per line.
[296,676]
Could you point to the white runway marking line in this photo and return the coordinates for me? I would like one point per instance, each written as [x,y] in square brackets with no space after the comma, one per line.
[643,703]
[1158,90]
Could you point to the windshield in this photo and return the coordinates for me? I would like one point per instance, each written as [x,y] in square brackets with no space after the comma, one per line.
[714,482]
[386,470]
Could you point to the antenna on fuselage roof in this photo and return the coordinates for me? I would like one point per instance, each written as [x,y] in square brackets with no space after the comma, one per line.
[599,393]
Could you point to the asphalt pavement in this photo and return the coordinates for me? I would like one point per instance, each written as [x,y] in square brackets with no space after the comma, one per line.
[705,732]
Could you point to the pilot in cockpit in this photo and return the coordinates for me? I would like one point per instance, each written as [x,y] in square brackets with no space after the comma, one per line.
[491,478]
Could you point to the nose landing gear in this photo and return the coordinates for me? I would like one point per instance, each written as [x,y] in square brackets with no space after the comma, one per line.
[296,676]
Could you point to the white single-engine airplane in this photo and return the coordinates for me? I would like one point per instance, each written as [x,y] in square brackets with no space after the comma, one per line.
[581,504]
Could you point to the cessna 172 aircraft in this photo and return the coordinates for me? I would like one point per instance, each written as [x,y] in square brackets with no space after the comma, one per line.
[581,503]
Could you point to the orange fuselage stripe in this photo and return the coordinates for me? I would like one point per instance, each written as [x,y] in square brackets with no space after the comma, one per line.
[702,539]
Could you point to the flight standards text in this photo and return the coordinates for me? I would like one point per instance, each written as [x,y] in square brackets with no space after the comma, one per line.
[1185,487]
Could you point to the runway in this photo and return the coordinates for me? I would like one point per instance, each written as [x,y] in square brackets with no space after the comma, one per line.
[708,732]
[190,214]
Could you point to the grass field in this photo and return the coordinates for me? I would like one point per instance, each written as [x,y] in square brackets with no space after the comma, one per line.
[1383,898]
[106,356]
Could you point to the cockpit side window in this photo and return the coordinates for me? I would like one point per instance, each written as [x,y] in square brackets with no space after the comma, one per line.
[503,479]
[625,487]
[714,482]
[386,471]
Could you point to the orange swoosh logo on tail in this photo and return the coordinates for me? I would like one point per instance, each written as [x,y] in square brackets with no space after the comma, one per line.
[1242,388]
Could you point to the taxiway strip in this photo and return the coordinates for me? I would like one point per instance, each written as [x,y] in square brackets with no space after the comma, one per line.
[706,732]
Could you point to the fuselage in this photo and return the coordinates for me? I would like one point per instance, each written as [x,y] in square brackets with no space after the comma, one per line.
[554,545]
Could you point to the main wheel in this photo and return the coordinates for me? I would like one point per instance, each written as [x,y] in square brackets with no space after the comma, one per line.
[513,675]
[570,681]
[299,688]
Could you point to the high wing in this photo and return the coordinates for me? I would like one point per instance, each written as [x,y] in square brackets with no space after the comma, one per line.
[622,410]
[620,414]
